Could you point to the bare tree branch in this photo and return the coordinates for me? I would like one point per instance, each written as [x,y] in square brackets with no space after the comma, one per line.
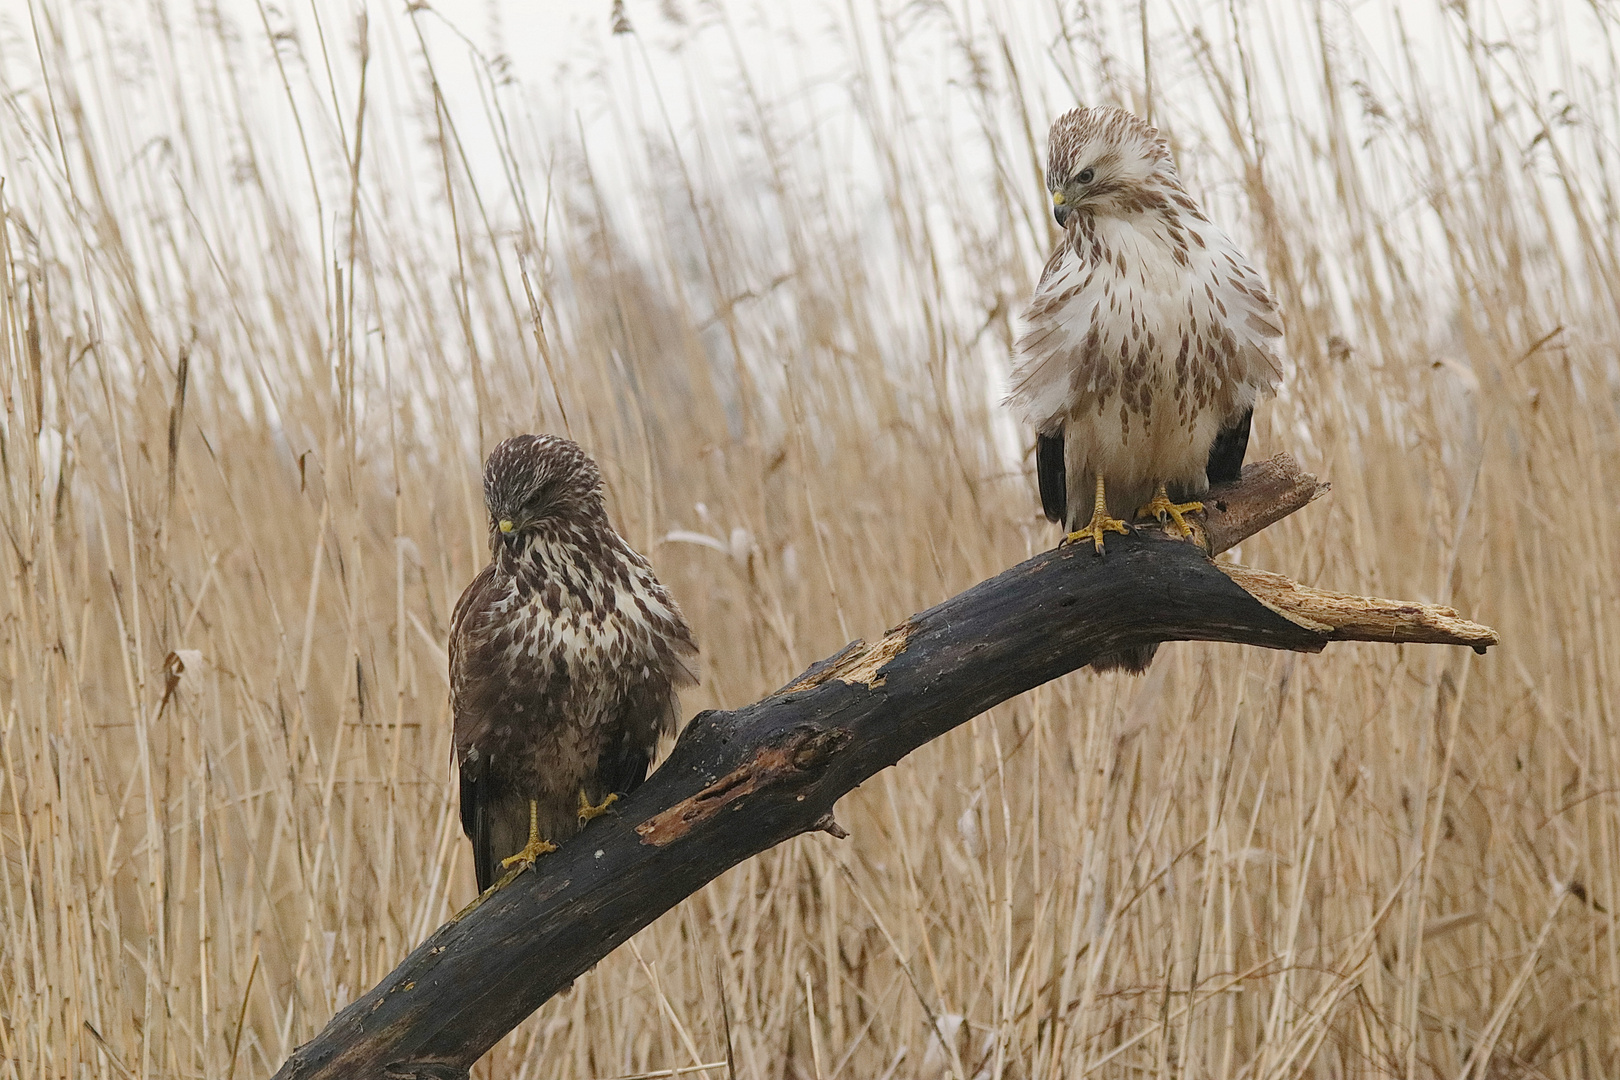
[741,782]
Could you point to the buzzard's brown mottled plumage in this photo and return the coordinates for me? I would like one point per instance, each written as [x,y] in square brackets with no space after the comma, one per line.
[565,655]
[1149,338]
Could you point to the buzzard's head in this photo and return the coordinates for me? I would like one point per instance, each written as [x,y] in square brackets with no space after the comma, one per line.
[1102,159]
[532,480]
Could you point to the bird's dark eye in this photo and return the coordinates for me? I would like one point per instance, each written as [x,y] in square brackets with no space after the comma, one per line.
[1087,175]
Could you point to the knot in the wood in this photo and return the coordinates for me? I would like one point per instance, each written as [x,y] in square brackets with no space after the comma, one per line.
[819,746]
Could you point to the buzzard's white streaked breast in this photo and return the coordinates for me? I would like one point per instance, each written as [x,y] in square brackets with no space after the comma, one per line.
[1149,332]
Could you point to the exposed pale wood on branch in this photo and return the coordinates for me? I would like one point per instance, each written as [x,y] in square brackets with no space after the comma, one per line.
[1345,617]
[740,782]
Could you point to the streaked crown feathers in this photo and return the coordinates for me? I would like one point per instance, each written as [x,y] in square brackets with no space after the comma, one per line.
[530,477]
[1100,152]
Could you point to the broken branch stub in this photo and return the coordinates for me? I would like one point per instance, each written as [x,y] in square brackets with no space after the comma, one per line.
[1346,617]
[1264,494]
[740,782]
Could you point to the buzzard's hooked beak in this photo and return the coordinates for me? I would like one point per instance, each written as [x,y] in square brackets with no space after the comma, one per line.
[1060,208]
[508,533]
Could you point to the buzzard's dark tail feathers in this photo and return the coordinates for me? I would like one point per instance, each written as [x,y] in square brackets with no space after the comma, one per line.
[475,820]
[1049,470]
[1226,454]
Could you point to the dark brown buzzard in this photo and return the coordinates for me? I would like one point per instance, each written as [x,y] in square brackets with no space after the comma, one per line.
[565,656]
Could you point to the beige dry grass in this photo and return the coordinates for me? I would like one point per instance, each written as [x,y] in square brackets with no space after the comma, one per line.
[266,300]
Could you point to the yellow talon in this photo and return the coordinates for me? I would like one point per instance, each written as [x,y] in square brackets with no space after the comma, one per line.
[1162,508]
[588,812]
[536,846]
[1100,523]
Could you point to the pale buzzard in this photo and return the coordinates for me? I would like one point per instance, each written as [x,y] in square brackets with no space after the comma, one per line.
[1146,344]
[565,656]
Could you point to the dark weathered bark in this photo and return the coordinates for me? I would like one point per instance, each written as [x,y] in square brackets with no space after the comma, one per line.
[743,781]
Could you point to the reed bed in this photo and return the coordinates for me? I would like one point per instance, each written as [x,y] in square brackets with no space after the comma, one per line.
[275,280]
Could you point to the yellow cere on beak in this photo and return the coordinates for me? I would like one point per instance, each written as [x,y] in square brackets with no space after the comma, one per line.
[506,525]
[1058,199]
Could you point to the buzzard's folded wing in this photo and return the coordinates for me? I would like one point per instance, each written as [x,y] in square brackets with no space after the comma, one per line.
[1051,472]
[1226,455]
